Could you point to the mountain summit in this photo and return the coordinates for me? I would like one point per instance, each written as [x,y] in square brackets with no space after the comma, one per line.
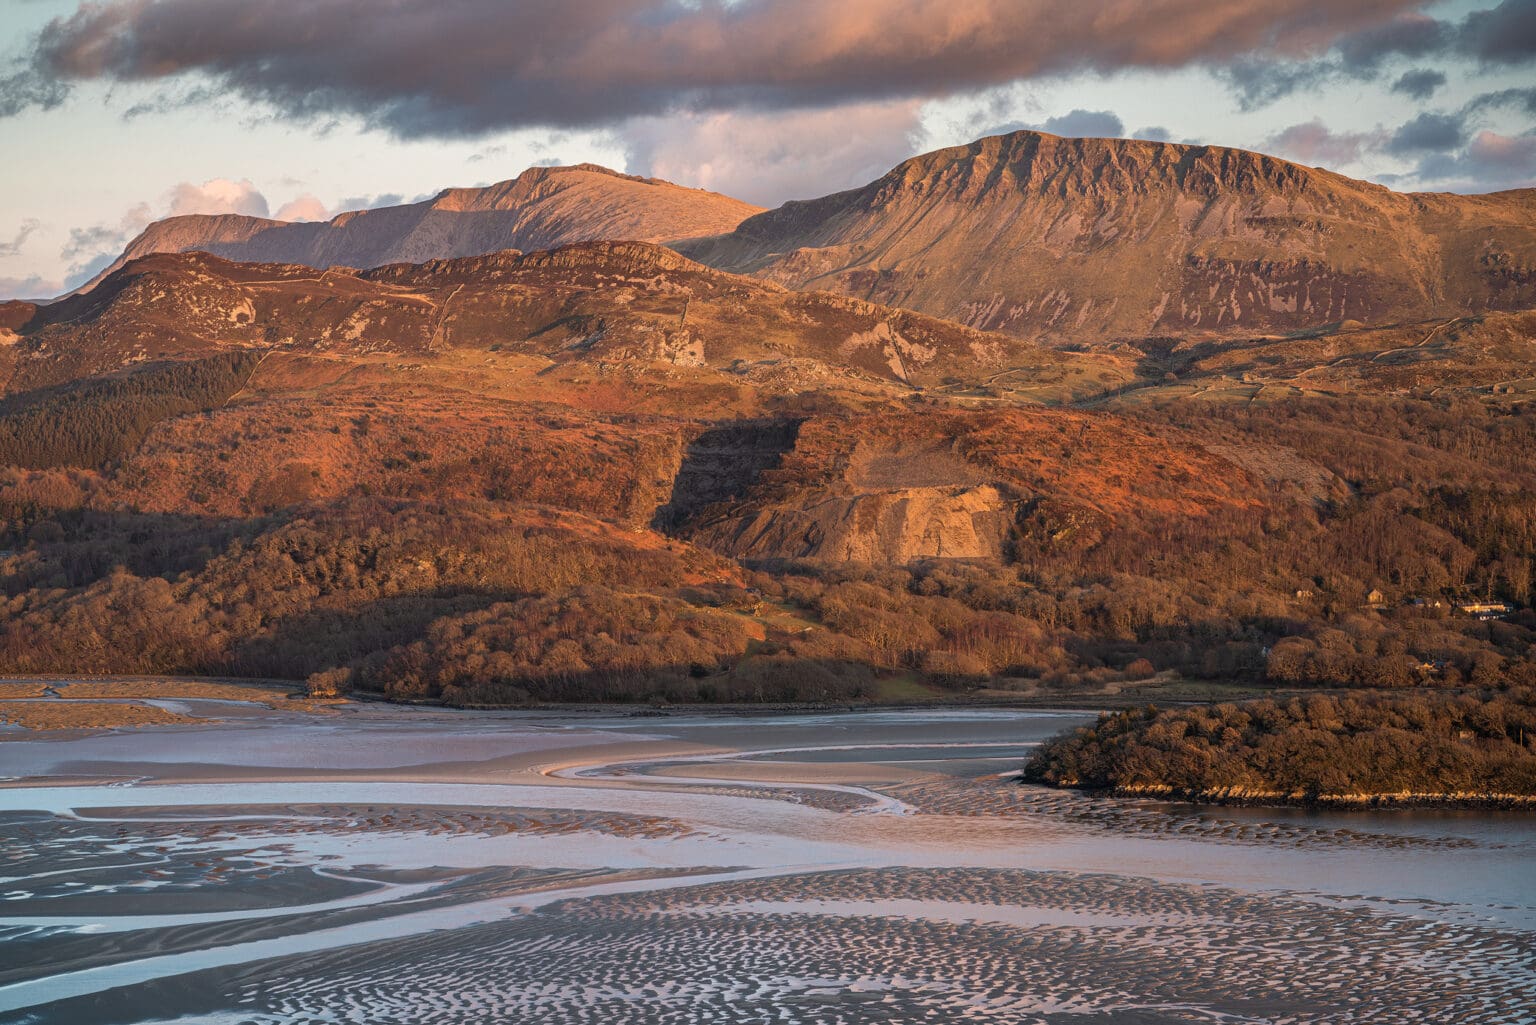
[1049,237]
[542,208]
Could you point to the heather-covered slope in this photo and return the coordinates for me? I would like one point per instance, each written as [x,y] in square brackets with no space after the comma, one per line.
[543,208]
[1094,239]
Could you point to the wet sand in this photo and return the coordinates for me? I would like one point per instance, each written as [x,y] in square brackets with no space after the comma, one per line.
[424,866]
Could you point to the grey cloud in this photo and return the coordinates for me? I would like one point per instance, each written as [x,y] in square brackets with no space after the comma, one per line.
[1490,161]
[27,89]
[1006,128]
[13,247]
[454,67]
[369,202]
[1524,99]
[1080,123]
[1420,83]
[490,152]
[1153,134]
[1412,35]
[30,287]
[1259,83]
[1505,34]
[80,273]
[1428,133]
[93,239]
[1091,123]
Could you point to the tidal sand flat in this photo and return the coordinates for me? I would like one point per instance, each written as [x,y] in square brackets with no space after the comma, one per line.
[388,865]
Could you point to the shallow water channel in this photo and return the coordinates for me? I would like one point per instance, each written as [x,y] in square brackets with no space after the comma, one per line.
[405,865]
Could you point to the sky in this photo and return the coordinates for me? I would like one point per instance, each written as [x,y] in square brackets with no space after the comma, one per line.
[119,112]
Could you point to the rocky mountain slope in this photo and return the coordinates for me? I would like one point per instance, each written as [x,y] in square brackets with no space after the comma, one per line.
[607,472]
[595,304]
[1094,239]
[543,208]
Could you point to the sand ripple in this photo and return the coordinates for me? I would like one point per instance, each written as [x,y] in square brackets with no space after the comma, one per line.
[1021,947]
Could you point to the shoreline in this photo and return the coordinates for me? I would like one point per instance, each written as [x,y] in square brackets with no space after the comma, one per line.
[1320,802]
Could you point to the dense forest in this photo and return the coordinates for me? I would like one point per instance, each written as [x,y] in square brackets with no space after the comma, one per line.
[95,422]
[1376,748]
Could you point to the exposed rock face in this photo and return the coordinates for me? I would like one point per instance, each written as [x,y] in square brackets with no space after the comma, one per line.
[892,488]
[876,527]
[543,208]
[1087,239]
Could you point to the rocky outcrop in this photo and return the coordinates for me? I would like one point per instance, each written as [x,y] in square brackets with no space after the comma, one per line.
[1093,239]
[892,526]
[894,488]
[543,208]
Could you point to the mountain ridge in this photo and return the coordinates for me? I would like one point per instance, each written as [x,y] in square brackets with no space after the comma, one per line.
[542,208]
[1043,236]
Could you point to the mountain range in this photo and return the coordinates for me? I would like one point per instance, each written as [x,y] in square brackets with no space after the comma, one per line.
[542,208]
[1037,236]
[1026,415]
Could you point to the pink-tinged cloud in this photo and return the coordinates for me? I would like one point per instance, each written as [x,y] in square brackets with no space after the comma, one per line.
[1515,153]
[443,67]
[216,196]
[304,208]
[1313,143]
[767,158]
[91,248]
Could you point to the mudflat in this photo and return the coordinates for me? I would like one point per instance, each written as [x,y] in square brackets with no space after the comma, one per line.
[260,863]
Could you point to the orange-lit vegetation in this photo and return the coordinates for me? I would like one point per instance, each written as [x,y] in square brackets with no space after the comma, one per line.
[611,474]
[1375,749]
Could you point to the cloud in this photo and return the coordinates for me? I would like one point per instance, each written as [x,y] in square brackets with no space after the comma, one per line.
[1313,143]
[1420,83]
[1087,123]
[1258,82]
[28,88]
[1429,132]
[1409,35]
[217,196]
[1156,133]
[92,248]
[488,153]
[370,202]
[1503,35]
[430,67]
[1503,152]
[1522,98]
[1490,161]
[86,243]
[13,247]
[768,158]
[30,287]
[1079,123]
[80,273]
[303,208]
